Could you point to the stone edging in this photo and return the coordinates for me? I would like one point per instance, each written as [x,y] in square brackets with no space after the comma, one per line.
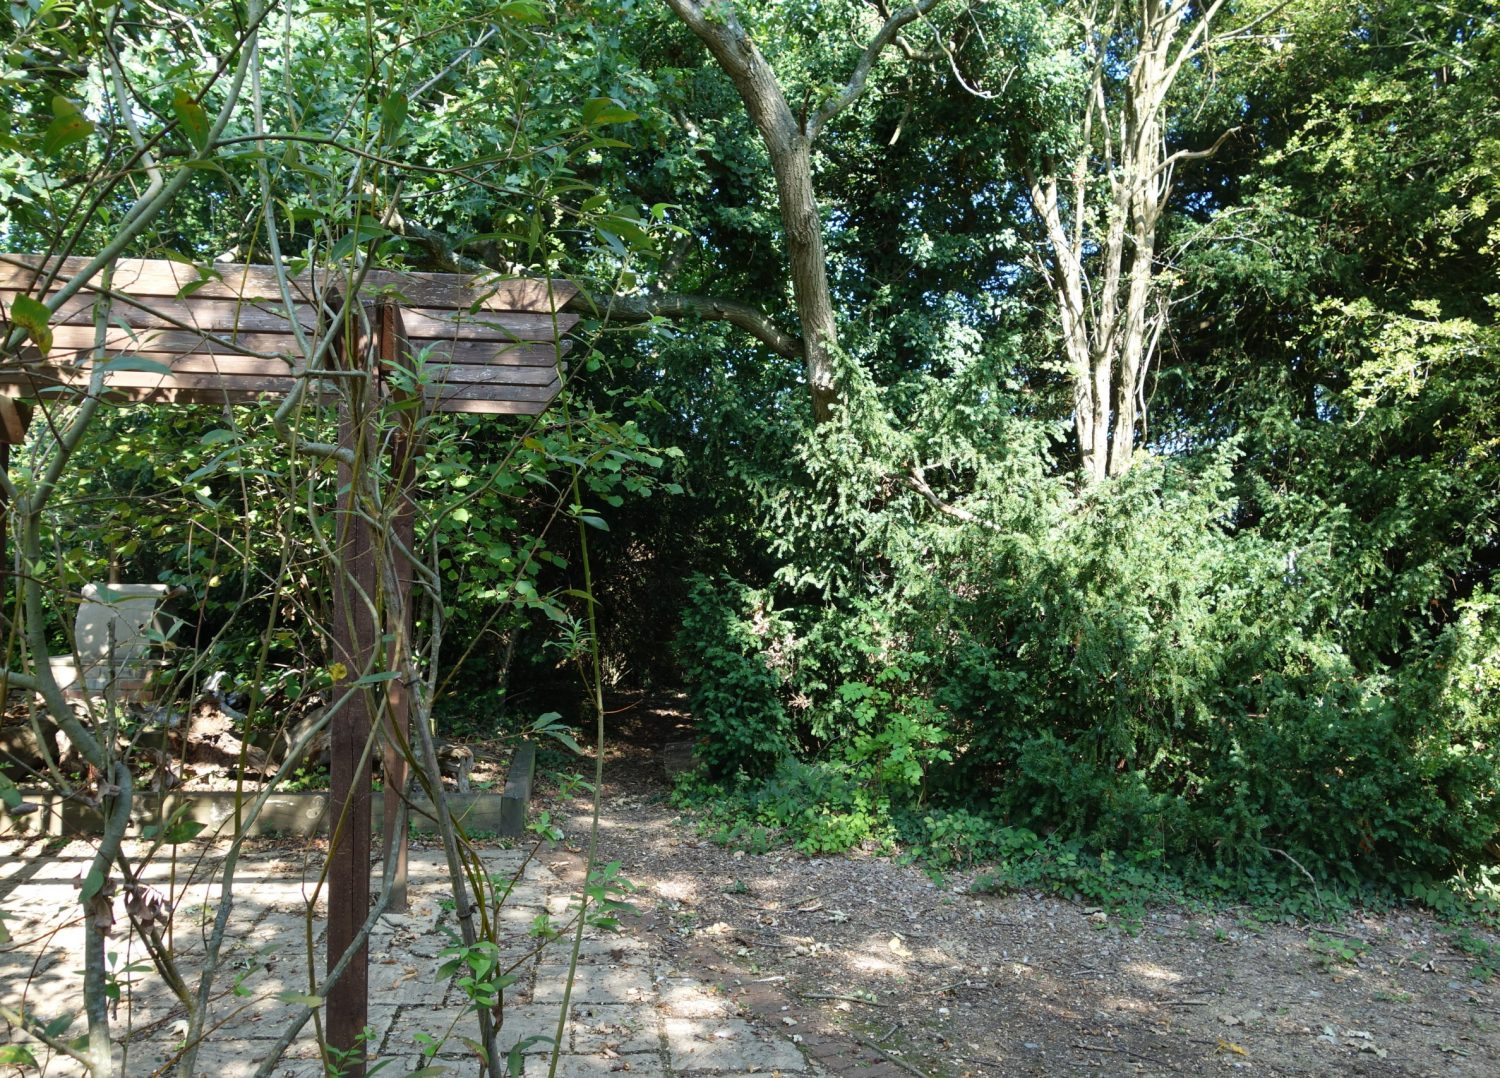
[286,815]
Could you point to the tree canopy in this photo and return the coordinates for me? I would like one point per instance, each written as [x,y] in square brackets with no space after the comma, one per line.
[1071,418]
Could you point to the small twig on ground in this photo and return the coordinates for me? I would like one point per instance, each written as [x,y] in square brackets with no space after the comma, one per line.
[837,996]
[888,1057]
[888,1034]
[946,988]
[1123,1052]
[1338,932]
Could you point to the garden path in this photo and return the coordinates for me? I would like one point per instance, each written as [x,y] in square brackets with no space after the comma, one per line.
[632,1009]
[866,958]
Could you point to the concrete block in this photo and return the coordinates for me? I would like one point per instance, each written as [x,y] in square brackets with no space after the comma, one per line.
[517,794]
[595,984]
[726,1045]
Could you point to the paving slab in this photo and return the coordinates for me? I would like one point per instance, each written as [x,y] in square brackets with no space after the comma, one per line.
[629,1012]
[615,1028]
[684,997]
[727,1044]
[596,983]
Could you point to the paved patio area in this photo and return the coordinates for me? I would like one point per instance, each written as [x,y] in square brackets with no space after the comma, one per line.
[630,1012]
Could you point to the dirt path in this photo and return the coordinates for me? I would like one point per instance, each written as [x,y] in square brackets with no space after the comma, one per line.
[865,958]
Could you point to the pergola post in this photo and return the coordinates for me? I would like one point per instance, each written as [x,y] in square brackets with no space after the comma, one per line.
[394,350]
[15,416]
[355,641]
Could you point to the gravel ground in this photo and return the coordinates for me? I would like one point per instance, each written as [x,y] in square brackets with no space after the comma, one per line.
[945,982]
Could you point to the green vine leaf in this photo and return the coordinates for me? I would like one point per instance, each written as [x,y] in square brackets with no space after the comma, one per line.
[34,318]
[193,119]
[69,125]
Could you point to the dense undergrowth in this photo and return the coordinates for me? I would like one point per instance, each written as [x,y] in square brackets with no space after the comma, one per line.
[1261,658]
[1129,696]
[816,811]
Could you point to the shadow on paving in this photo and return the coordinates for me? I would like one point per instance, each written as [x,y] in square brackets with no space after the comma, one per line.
[629,1011]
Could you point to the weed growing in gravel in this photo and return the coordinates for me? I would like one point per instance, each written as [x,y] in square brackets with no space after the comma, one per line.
[1333,951]
[1485,952]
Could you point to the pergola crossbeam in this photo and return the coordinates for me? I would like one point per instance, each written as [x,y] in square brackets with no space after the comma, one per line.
[223,335]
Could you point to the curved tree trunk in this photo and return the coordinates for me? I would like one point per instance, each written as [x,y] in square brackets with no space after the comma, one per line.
[789,141]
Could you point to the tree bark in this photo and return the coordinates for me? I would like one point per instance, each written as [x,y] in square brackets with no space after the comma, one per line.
[718,26]
[1101,242]
[789,142]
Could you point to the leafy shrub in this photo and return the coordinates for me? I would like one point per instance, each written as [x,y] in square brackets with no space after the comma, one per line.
[1134,671]
[1138,675]
[727,648]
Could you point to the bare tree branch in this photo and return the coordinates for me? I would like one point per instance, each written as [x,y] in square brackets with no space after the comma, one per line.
[856,85]
[917,482]
[443,255]
[644,306]
[1198,155]
[26,1023]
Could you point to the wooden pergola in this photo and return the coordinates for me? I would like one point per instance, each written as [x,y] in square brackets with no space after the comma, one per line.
[230,334]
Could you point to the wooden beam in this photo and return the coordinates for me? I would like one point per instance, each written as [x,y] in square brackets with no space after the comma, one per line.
[481,346]
[483,374]
[75,367]
[219,397]
[75,344]
[224,316]
[42,378]
[480,391]
[428,351]
[394,351]
[124,387]
[5,571]
[196,371]
[15,417]
[492,407]
[233,281]
[76,339]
